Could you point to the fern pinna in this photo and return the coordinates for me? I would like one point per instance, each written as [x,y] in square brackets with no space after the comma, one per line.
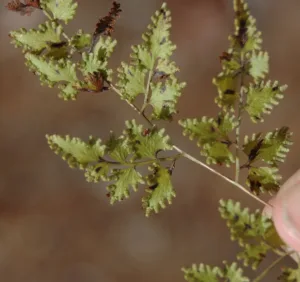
[242,88]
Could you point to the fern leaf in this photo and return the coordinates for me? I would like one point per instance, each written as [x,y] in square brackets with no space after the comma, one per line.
[263,179]
[131,81]
[52,72]
[259,65]
[261,97]
[246,37]
[212,136]
[81,40]
[251,230]
[202,273]
[226,84]
[205,273]
[76,152]
[234,273]
[290,275]
[276,146]
[37,40]
[151,71]
[123,179]
[164,98]
[63,10]
[242,224]
[98,172]
[160,190]
[147,145]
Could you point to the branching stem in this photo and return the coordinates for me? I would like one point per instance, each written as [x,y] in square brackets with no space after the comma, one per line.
[146,99]
[191,158]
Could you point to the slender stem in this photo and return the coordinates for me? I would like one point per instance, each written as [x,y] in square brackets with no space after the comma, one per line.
[191,158]
[147,92]
[238,128]
[271,266]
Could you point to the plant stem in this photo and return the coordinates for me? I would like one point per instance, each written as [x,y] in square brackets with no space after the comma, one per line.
[147,91]
[271,266]
[191,158]
[238,128]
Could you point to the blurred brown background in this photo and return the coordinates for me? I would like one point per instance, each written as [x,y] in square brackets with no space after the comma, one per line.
[54,226]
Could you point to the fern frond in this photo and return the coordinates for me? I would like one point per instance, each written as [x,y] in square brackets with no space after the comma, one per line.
[262,97]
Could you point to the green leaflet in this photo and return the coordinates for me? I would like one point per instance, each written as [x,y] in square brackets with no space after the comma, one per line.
[37,40]
[259,65]
[151,72]
[164,98]
[261,97]
[160,190]
[123,179]
[206,273]
[132,81]
[263,179]
[52,72]
[149,144]
[228,95]
[246,37]
[276,146]
[272,148]
[63,10]
[76,152]
[290,275]
[81,40]
[253,231]
[212,136]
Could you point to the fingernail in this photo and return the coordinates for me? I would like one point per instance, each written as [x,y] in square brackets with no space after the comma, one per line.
[286,215]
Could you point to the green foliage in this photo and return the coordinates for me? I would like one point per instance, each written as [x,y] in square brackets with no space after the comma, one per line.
[63,10]
[151,72]
[34,40]
[261,97]
[116,161]
[144,156]
[253,231]
[206,273]
[290,275]
[212,136]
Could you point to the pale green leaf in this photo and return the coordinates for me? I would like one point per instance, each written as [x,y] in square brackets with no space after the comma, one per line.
[91,64]
[160,190]
[52,72]
[104,47]
[253,255]
[202,273]
[259,65]
[218,153]
[290,274]
[233,273]
[164,98]
[131,81]
[123,179]
[226,84]
[81,40]
[63,10]
[276,146]
[261,98]
[246,37]
[119,149]
[243,225]
[75,151]
[263,179]
[37,40]
[150,144]
[98,172]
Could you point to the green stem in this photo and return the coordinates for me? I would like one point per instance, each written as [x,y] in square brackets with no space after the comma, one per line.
[271,266]
[238,128]
[146,98]
[191,158]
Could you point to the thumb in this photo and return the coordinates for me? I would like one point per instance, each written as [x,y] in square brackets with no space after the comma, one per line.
[286,212]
